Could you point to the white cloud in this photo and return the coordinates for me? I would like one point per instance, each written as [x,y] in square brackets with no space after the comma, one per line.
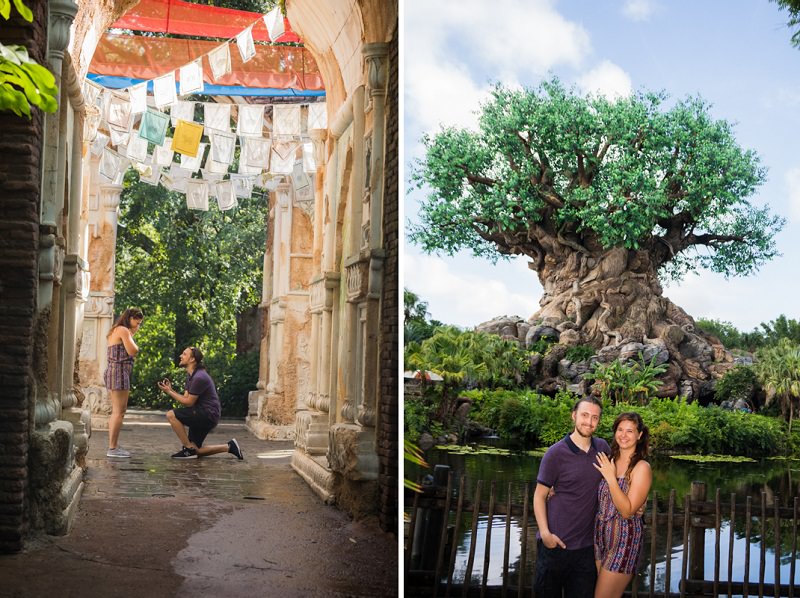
[453,51]
[468,298]
[792,178]
[639,10]
[606,79]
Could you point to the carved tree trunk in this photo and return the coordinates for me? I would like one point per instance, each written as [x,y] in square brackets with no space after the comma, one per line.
[612,298]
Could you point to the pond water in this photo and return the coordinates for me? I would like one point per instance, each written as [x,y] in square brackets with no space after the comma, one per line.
[779,479]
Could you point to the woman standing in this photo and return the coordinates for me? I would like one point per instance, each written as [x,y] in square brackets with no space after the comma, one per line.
[121,351]
[622,494]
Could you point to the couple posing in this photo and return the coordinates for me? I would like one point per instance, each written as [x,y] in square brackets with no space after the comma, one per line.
[588,503]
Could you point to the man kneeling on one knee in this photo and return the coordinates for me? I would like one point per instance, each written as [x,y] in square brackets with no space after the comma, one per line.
[201,412]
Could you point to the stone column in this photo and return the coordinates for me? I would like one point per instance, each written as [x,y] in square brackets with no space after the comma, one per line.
[102,212]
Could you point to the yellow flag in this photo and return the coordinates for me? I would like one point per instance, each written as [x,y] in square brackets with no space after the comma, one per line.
[186,139]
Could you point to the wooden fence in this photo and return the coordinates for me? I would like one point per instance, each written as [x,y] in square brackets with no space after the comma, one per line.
[437,514]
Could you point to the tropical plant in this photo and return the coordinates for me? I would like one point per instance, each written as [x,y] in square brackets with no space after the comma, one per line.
[612,193]
[778,370]
[416,326]
[632,382]
[793,6]
[24,82]
[737,383]
[413,454]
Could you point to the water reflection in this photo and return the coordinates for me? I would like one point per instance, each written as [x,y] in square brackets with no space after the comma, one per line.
[778,479]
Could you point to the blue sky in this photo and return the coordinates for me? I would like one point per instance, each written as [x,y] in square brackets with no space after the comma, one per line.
[736,54]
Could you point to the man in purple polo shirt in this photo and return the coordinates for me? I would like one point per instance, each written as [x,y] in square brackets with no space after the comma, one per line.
[565,504]
[201,412]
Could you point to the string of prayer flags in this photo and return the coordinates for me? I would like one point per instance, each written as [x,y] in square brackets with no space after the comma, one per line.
[153,176]
[181,110]
[244,163]
[217,117]
[318,116]
[220,61]
[286,120]
[216,167]
[163,153]
[197,194]
[100,141]
[193,163]
[192,77]
[226,198]
[153,127]
[244,41]
[251,120]
[119,137]
[274,22]
[186,139]
[138,97]
[222,147]
[164,90]
[207,175]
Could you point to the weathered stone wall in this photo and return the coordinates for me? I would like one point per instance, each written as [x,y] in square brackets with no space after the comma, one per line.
[20,163]
[388,432]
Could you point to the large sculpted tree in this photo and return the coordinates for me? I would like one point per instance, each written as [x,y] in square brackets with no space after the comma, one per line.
[605,197]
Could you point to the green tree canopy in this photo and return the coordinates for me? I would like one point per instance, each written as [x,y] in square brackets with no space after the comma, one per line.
[548,166]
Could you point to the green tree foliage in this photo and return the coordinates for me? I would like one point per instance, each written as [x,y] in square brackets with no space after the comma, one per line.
[191,272]
[766,335]
[793,7]
[548,165]
[416,326]
[737,383]
[24,82]
[778,370]
[633,382]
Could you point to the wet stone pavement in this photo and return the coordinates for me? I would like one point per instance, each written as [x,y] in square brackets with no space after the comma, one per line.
[152,526]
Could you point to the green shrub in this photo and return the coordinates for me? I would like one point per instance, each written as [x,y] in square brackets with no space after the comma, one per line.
[629,382]
[579,353]
[738,383]
[234,380]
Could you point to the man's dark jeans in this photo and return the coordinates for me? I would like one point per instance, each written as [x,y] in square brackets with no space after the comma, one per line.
[572,571]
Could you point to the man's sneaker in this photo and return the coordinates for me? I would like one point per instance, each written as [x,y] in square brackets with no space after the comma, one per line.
[118,452]
[186,453]
[234,449]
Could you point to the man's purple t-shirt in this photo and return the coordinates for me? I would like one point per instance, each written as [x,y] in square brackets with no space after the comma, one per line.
[200,384]
[571,473]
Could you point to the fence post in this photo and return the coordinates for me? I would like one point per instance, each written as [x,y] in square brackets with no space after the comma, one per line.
[697,535]
[427,532]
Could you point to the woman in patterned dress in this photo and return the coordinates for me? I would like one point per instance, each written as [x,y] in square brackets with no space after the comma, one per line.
[618,532]
[121,351]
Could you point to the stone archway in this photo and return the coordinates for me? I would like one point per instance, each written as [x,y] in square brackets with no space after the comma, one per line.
[46,281]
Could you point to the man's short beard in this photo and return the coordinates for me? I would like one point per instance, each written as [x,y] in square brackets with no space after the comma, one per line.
[578,430]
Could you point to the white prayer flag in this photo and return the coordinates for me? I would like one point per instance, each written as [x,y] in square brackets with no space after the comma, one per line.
[174,184]
[119,137]
[242,185]
[318,116]
[251,120]
[283,157]
[92,91]
[164,90]
[256,151]
[286,121]
[181,110]
[100,141]
[164,153]
[244,161]
[137,148]
[217,167]
[149,172]
[309,163]
[118,111]
[138,96]
[110,164]
[222,147]
[192,77]
[211,176]
[244,41]
[194,164]
[197,194]
[300,180]
[217,116]
[177,172]
[274,22]
[219,60]
[226,197]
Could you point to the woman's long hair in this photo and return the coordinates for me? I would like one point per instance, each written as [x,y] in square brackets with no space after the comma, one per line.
[642,449]
[124,319]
